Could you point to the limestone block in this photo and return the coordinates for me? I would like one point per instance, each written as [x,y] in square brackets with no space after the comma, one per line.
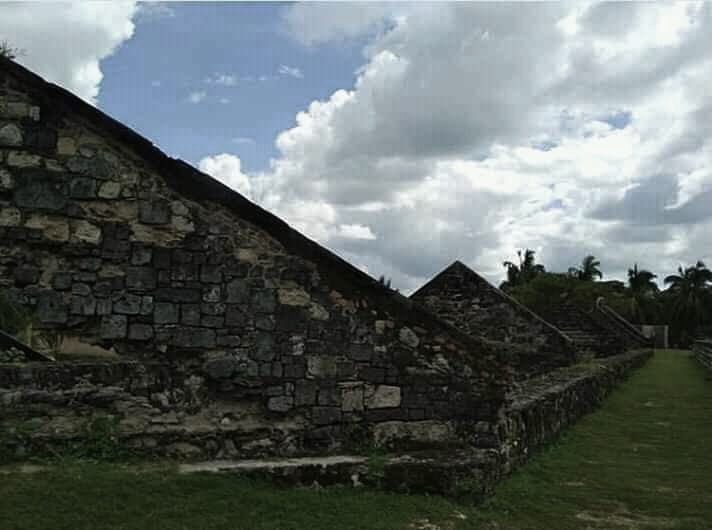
[109,190]
[296,296]
[382,396]
[351,397]
[408,337]
[321,366]
[22,159]
[182,224]
[425,432]
[10,135]
[10,216]
[66,146]
[86,232]
[317,312]
[53,228]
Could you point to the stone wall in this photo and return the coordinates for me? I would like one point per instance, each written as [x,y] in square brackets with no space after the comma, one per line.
[460,296]
[542,407]
[120,249]
[703,352]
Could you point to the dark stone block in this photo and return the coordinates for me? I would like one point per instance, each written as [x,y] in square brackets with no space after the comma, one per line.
[81,289]
[26,275]
[154,212]
[264,349]
[190,314]
[141,255]
[113,327]
[263,301]
[181,256]
[231,341]
[326,415]
[140,332]
[103,306]
[360,352]
[128,304]
[89,264]
[372,375]
[208,321]
[62,280]
[329,396]
[177,294]
[265,323]
[51,308]
[238,292]
[162,258]
[210,274]
[305,393]
[83,305]
[222,368]
[82,188]
[165,313]
[292,319]
[235,317]
[213,309]
[140,278]
[194,338]
[41,195]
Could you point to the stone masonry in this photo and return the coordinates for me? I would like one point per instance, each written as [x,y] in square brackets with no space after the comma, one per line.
[117,247]
[462,297]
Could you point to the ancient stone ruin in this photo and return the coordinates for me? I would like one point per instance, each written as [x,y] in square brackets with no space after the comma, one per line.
[195,324]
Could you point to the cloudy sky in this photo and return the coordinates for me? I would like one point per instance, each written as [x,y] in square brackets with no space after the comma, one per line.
[404,136]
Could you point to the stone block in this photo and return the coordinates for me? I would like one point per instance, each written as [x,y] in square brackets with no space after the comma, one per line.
[212,293]
[321,366]
[294,296]
[194,338]
[305,393]
[128,304]
[10,135]
[154,212]
[10,216]
[62,280]
[263,301]
[177,294]
[83,305]
[280,403]
[41,195]
[221,368]
[264,349]
[51,308]
[141,255]
[113,327]
[140,278]
[326,415]
[140,332]
[82,188]
[22,159]
[26,275]
[238,292]
[165,313]
[109,190]
[408,337]
[382,396]
[235,317]
[351,397]
[66,146]
[86,232]
[190,314]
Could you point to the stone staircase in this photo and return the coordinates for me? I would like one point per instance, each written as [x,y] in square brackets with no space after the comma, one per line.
[584,331]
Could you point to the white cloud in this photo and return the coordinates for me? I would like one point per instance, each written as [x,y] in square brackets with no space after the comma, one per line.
[291,71]
[476,129]
[227,169]
[243,140]
[65,42]
[355,232]
[197,96]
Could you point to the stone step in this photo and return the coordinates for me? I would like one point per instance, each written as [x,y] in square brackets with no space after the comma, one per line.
[469,473]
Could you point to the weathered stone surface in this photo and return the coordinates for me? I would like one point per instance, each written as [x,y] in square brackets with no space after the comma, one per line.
[22,159]
[321,366]
[109,190]
[298,297]
[166,313]
[40,195]
[10,216]
[10,135]
[154,212]
[51,308]
[407,336]
[280,403]
[140,332]
[86,232]
[382,396]
[113,327]
[140,278]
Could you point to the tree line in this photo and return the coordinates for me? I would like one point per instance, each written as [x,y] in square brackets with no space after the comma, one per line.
[684,304]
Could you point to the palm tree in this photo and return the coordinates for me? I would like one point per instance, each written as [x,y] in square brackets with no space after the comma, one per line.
[642,287]
[588,269]
[525,271]
[692,292]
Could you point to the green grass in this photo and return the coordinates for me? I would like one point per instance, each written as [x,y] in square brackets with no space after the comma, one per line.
[644,460]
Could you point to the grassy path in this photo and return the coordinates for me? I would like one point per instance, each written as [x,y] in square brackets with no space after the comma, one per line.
[644,460]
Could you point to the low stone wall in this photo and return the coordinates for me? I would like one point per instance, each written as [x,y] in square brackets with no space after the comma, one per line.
[703,352]
[150,407]
[544,406]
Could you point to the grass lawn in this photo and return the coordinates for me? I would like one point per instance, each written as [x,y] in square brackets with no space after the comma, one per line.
[644,460]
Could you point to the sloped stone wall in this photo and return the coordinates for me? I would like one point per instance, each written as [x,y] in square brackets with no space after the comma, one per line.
[541,408]
[116,247]
[460,296]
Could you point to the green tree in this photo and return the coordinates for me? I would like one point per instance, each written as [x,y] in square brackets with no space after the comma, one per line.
[8,51]
[525,271]
[691,298]
[588,270]
[642,291]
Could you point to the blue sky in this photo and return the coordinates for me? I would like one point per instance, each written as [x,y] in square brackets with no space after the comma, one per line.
[148,80]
